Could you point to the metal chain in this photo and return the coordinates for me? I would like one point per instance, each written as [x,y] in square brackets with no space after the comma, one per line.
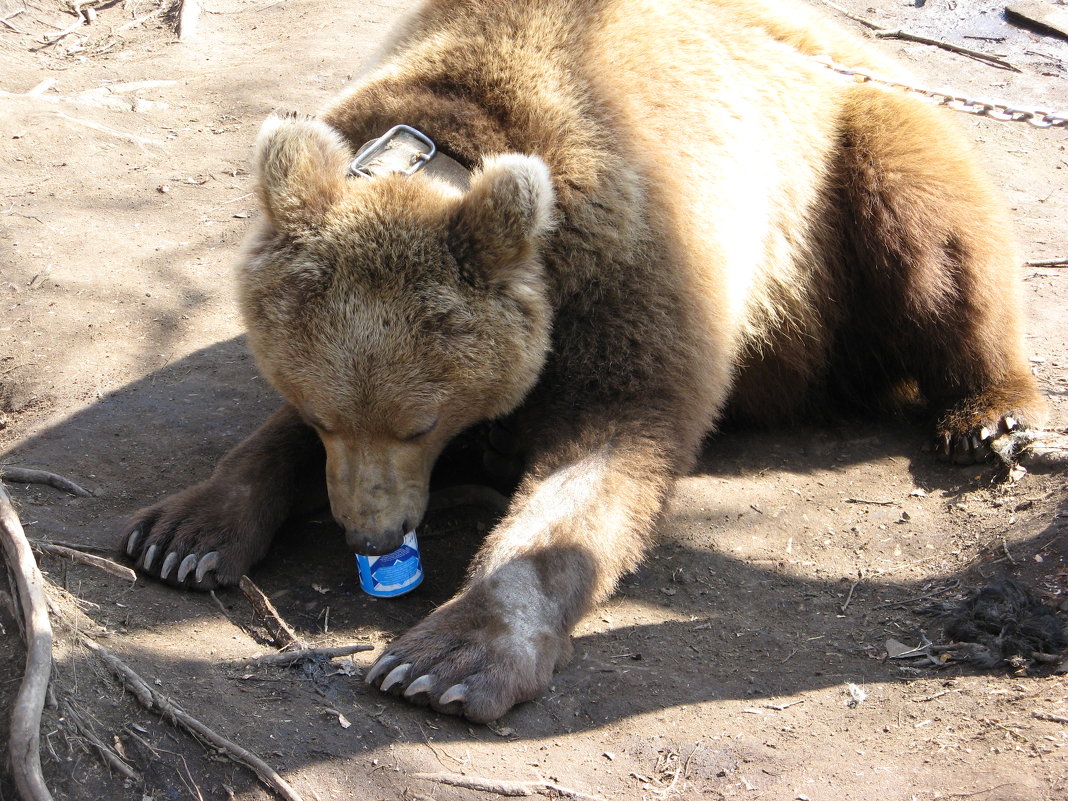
[981,108]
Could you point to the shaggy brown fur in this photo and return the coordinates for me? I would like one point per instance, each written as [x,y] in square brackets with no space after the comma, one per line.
[672,206]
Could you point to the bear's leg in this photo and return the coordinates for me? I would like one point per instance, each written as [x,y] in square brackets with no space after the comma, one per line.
[933,274]
[210,534]
[580,519]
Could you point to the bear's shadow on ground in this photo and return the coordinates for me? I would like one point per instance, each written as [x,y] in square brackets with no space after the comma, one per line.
[738,630]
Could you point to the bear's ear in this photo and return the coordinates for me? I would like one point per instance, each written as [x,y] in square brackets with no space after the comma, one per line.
[300,165]
[498,223]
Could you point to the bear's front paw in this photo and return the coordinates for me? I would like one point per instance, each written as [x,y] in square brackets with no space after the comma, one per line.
[475,657]
[201,538]
[1005,436]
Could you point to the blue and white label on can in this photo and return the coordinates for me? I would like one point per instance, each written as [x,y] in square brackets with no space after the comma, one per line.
[393,573]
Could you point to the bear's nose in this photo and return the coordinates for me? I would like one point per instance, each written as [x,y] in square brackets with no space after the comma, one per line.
[373,543]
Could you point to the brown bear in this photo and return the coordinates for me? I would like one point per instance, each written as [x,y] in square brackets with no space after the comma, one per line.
[614,221]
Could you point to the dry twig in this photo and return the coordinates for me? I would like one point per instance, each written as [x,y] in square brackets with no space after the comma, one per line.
[62,34]
[853,586]
[151,699]
[284,636]
[981,792]
[135,22]
[107,754]
[289,657]
[25,475]
[880,32]
[1051,718]
[114,568]
[873,503]
[986,58]
[218,603]
[1048,263]
[25,730]
[916,599]
[84,547]
[4,20]
[506,787]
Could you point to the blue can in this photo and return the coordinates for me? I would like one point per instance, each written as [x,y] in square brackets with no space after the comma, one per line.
[393,573]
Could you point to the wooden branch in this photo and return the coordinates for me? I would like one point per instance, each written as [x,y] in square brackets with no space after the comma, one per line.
[507,787]
[1046,17]
[978,55]
[289,657]
[4,21]
[42,87]
[135,22]
[284,637]
[154,700]
[874,503]
[25,475]
[188,19]
[25,732]
[114,568]
[1048,263]
[1046,716]
[880,32]
[84,547]
[62,34]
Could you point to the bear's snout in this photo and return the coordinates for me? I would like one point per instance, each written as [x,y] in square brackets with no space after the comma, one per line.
[374,543]
[377,495]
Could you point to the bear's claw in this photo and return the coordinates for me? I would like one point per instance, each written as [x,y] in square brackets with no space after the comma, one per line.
[1005,438]
[396,676]
[423,684]
[190,569]
[131,543]
[382,666]
[208,562]
[168,565]
[456,693]
[150,557]
[186,567]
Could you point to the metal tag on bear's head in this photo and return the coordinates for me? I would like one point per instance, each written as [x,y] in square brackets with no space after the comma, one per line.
[404,150]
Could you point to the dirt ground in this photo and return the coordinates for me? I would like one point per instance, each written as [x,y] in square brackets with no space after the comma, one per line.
[723,669]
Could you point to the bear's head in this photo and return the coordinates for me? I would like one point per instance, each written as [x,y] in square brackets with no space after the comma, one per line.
[392,312]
